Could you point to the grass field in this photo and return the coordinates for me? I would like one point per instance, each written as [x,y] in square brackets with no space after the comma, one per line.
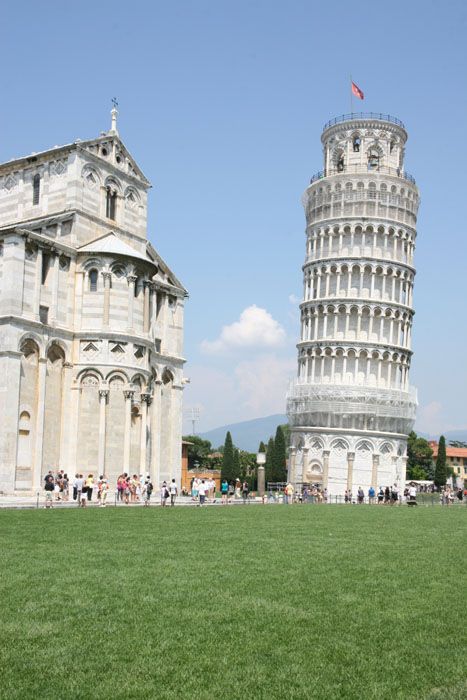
[237,602]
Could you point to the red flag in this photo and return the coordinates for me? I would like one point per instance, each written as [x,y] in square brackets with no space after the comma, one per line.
[356,91]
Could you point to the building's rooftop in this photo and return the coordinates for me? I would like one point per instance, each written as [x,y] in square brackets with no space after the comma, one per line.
[110,243]
[450,451]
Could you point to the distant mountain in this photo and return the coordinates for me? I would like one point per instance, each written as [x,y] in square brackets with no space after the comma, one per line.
[248,434]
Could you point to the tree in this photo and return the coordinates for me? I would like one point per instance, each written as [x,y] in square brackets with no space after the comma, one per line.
[262,447]
[440,467]
[268,467]
[198,451]
[228,466]
[279,458]
[419,457]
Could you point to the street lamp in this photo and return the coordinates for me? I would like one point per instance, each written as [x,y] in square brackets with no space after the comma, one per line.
[261,461]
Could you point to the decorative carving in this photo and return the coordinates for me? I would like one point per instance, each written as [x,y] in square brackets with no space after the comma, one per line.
[58,167]
[128,393]
[10,182]
[90,380]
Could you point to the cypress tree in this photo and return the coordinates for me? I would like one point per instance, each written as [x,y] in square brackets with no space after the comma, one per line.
[228,466]
[262,447]
[268,467]
[279,460]
[440,467]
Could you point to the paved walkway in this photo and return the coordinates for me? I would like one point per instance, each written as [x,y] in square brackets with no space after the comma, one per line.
[38,501]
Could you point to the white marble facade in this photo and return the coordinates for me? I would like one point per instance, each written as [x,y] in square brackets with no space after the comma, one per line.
[91,365]
[351,406]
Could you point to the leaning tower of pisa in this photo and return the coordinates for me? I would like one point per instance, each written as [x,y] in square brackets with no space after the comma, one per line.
[351,406]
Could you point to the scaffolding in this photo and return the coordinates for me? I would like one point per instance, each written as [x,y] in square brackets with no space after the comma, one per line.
[352,408]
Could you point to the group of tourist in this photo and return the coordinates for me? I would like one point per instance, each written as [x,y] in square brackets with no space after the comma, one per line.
[132,489]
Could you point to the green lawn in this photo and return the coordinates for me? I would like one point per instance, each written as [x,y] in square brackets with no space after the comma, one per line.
[234,602]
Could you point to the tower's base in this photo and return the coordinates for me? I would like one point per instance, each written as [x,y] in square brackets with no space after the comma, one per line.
[340,460]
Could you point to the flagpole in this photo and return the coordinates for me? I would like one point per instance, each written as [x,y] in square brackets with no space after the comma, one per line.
[351,96]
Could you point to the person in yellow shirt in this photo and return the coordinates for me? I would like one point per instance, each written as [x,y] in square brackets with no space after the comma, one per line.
[89,483]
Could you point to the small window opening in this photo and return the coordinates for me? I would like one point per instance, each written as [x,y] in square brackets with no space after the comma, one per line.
[340,164]
[373,160]
[44,314]
[93,276]
[104,152]
[36,188]
[137,287]
[45,267]
[356,144]
[111,204]
[391,146]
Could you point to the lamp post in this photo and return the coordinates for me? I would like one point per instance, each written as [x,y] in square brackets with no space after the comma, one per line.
[260,461]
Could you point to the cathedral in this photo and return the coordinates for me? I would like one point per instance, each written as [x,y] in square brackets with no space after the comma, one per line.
[91,364]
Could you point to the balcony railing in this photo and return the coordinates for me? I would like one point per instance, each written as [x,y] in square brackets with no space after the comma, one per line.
[361,170]
[363,115]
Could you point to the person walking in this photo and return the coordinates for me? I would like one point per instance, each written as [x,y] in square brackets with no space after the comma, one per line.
[164,493]
[49,488]
[79,484]
[245,491]
[147,491]
[104,488]
[360,495]
[288,492]
[371,495]
[89,487]
[224,492]
[202,492]
[173,492]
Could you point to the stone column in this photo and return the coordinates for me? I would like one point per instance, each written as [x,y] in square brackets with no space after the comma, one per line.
[42,371]
[103,396]
[374,472]
[131,299]
[261,480]
[54,295]
[66,419]
[38,283]
[10,373]
[292,467]
[304,463]
[106,313]
[11,302]
[350,461]
[79,285]
[128,394]
[145,401]
[326,454]
[156,433]
[147,291]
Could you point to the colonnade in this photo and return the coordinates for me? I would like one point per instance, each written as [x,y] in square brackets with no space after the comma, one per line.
[354,367]
[364,281]
[356,322]
[350,485]
[376,242]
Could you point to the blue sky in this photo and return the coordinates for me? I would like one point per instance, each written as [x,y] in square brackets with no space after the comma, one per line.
[222,104]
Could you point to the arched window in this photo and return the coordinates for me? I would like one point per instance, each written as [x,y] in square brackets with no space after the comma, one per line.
[373,159]
[36,188]
[93,276]
[111,204]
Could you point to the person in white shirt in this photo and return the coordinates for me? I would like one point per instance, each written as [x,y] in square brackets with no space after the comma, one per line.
[173,492]
[202,492]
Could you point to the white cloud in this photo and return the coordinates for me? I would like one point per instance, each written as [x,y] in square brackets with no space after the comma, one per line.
[250,389]
[263,384]
[255,328]
[432,419]
[294,299]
